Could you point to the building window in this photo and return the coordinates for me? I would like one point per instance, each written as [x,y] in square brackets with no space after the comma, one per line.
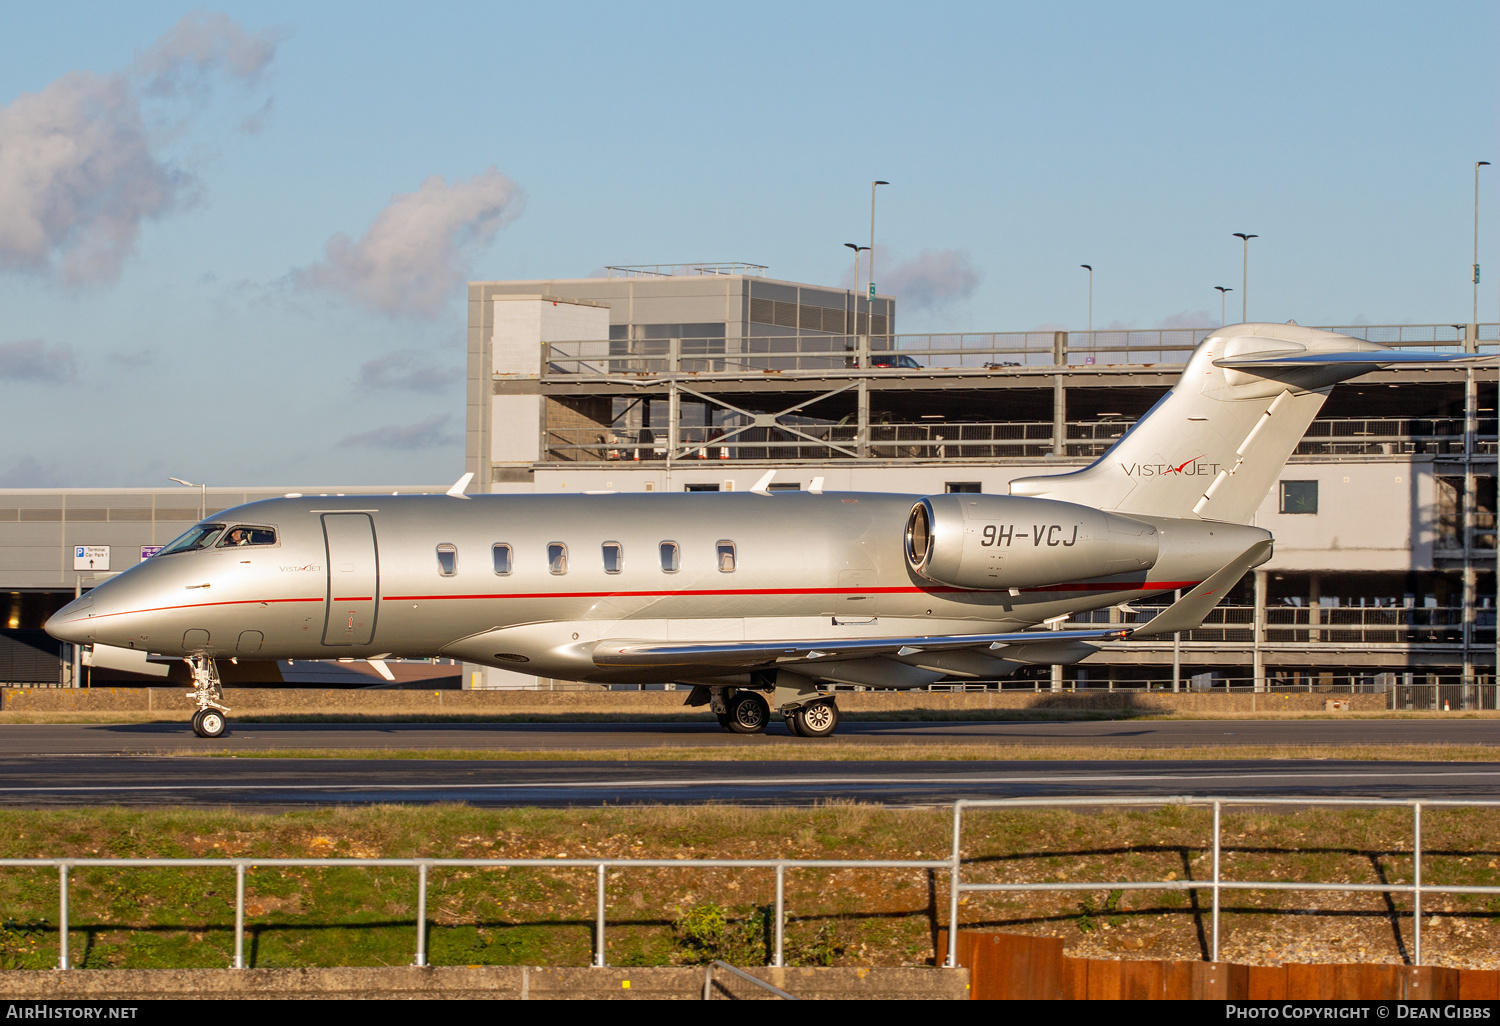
[964,487]
[726,557]
[785,486]
[614,558]
[502,556]
[1299,496]
[700,488]
[447,559]
[669,557]
[557,558]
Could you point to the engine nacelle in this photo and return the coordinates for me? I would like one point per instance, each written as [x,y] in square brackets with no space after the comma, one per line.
[1006,541]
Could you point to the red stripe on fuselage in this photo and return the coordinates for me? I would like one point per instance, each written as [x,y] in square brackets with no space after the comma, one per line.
[707,593]
[716,593]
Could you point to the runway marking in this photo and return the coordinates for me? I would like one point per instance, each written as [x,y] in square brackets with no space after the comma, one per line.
[1381,775]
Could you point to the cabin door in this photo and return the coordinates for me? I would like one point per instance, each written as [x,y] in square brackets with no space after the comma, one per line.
[353,578]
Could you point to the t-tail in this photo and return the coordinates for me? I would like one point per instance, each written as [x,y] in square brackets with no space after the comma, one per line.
[1214,445]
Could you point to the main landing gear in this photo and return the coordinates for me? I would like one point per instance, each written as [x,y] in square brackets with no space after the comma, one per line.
[748,712]
[210,720]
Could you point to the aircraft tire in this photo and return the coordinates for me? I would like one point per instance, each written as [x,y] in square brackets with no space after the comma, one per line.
[724,720]
[198,723]
[816,719]
[211,723]
[748,713]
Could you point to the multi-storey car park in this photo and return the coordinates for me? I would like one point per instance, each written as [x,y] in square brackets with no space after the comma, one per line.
[708,376]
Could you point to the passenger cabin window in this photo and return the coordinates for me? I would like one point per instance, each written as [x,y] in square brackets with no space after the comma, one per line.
[242,535]
[200,537]
[614,558]
[669,557]
[726,557]
[447,559]
[557,558]
[501,554]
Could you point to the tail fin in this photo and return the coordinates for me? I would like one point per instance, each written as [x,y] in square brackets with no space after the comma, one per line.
[1214,445]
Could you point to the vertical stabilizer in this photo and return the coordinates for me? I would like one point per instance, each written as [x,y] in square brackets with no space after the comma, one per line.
[1214,445]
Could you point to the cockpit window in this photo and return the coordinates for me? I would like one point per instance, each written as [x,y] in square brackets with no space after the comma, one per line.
[200,537]
[242,535]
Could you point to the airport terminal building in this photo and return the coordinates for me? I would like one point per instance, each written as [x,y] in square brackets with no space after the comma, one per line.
[709,376]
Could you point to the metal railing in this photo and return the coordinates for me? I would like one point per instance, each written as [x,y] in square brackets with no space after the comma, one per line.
[719,963]
[980,351]
[954,865]
[974,440]
[423,866]
[1216,883]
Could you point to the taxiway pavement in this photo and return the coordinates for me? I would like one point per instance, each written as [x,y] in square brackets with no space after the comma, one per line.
[164,764]
[60,781]
[161,738]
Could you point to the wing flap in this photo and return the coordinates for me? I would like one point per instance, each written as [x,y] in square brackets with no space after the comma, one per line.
[620,653]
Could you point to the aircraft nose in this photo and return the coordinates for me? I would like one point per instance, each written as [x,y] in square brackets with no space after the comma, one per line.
[73,623]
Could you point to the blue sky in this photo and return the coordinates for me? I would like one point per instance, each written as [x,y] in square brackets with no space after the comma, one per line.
[187,308]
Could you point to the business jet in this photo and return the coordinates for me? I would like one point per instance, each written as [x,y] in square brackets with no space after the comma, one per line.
[762,600]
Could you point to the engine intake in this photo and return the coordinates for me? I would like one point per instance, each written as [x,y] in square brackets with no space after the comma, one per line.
[993,542]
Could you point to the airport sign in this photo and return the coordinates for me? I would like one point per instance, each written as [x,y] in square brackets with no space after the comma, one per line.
[90,557]
[147,551]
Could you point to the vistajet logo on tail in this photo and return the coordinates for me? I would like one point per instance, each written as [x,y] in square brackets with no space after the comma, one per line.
[1194,467]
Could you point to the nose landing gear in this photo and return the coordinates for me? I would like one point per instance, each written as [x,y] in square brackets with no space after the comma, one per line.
[210,720]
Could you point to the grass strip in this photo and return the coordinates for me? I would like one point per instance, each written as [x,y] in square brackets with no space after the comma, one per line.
[167,918]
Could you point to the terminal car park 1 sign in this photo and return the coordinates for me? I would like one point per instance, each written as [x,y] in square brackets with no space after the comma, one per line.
[90,557]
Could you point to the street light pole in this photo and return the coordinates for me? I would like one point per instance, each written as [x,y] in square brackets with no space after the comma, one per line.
[854,328]
[1475,321]
[1090,268]
[1222,291]
[1245,277]
[872,252]
[202,493]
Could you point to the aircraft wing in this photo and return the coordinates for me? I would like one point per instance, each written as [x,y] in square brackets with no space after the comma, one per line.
[1183,615]
[745,655]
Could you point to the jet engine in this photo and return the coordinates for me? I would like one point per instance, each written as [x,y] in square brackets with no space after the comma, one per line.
[995,542]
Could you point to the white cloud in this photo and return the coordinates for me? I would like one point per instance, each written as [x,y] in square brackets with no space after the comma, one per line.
[31,359]
[409,371]
[29,472]
[428,434]
[418,251]
[932,277]
[1189,319]
[80,170]
[201,43]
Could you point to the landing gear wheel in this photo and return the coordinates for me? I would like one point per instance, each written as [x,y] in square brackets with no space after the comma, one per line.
[210,723]
[816,719]
[724,721]
[748,713]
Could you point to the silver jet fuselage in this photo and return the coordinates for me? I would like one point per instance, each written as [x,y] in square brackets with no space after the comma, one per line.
[416,576]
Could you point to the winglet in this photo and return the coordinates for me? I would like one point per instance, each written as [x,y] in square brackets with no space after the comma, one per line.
[1188,612]
[816,488]
[457,491]
[378,665]
[763,486]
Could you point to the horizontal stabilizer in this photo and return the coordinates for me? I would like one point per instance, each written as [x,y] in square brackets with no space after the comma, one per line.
[1187,613]
[1378,358]
[752,654]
